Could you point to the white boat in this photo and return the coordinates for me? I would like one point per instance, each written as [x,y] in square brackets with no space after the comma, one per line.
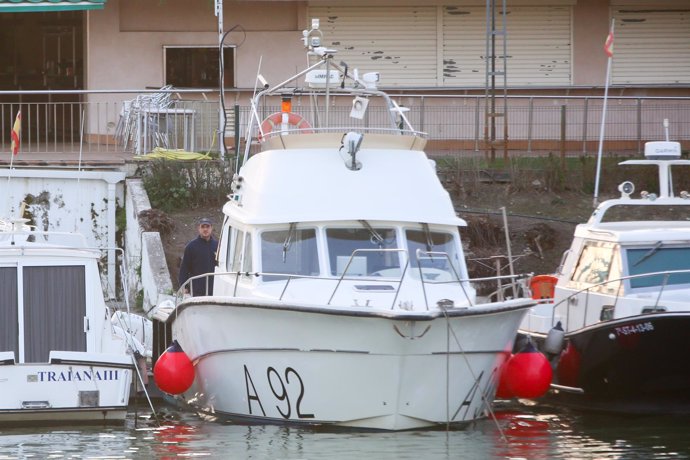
[62,358]
[622,300]
[341,295]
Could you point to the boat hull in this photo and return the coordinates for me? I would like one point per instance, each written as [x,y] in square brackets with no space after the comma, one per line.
[53,393]
[630,365]
[257,363]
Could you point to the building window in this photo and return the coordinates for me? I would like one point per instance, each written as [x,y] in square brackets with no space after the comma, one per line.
[197,67]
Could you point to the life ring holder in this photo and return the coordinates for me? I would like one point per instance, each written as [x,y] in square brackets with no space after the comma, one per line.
[274,121]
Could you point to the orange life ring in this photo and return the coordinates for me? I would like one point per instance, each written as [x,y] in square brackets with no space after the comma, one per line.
[273,122]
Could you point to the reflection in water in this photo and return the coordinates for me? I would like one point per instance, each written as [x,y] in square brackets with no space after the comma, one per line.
[174,440]
[519,432]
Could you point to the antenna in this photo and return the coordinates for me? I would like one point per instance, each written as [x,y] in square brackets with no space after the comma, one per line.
[254,115]
[81,148]
[666,128]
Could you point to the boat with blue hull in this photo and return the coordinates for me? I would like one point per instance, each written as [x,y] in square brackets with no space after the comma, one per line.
[616,323]
[631,365]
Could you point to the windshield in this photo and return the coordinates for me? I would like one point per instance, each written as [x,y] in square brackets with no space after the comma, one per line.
[290,251]
[370,260]
[424,247]
[658,258]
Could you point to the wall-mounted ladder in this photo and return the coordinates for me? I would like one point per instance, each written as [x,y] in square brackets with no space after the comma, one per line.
[495,113]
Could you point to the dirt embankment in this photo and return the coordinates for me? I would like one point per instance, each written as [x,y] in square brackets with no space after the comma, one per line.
[540,224]
[540,227]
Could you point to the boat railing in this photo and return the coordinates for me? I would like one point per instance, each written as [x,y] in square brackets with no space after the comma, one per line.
[76,240]
[341,129]
[341,83]
[595,288]
[188,288]
[368,279]
[420,255]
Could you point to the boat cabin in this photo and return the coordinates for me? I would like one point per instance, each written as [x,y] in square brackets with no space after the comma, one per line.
[51,298]
[371,256]
[637,248]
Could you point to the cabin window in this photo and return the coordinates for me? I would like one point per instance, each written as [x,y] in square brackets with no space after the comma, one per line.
[247,265]
[9,316]
[54,310]
[424,248]
[197,66]
[594,264]
[231,237]
[658,259]
[237,253]
[289,252]
[225,242]
[240,255]
[369,259]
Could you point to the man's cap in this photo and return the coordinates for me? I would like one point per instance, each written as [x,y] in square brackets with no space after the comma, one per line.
[205,221]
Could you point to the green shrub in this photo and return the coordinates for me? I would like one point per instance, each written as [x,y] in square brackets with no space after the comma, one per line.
[173,185]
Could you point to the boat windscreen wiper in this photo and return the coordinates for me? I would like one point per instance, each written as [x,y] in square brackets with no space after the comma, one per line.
[429,238]
[376,238]
[649,253]
[288,240]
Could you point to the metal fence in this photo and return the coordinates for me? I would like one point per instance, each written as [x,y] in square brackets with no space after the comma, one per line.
[137,122]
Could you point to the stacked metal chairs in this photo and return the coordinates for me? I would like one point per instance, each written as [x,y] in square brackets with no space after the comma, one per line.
[139,118]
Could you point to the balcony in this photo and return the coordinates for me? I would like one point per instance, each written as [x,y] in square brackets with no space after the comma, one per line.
[63,126]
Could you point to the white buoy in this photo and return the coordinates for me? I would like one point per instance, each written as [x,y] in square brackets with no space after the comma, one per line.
[554,340]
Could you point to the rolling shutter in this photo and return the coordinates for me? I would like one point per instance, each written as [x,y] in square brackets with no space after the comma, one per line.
[538,44]
[399,42]
[652,45]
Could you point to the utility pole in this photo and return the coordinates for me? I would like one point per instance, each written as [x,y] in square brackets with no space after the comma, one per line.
[221,67]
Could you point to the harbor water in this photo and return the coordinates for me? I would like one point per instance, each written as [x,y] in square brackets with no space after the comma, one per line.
[518,431]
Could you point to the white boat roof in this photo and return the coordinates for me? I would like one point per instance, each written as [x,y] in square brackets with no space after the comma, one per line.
[639,231]
[308,181]
[635,232]
[24,242]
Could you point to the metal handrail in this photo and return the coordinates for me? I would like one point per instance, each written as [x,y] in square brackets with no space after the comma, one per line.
[50,126]
[589,290]
[359,251]
[187,285]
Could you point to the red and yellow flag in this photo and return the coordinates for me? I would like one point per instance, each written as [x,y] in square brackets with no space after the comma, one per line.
[16,130]
[608,45]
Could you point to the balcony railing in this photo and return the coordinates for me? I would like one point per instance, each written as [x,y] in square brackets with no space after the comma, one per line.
[139,121]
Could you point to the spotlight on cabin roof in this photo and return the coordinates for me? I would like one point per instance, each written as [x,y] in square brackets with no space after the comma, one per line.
[662,150]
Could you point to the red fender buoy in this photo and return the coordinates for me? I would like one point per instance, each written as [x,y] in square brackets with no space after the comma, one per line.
[528,373]
[174,371]
[502,391]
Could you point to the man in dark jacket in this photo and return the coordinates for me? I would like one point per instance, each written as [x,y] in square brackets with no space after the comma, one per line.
[199,257]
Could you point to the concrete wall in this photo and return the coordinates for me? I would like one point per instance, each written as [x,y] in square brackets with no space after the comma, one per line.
[147,270]
[69,201]
[126,39]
